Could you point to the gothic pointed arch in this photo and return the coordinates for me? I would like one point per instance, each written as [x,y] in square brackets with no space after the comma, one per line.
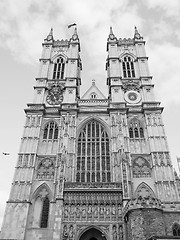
[144,191]
[93,152]
[176,229]
[39,213]
[42,188]
[92,232]
[50,130]
[128,66]
[58,70]
[136,128]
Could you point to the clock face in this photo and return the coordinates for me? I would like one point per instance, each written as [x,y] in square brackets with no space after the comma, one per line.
[132,97]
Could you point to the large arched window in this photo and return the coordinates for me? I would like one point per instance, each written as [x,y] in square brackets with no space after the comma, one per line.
[93,157]
[59,66]
[51,131]
[135,129]
[128,67]
[40,208]
[176,229]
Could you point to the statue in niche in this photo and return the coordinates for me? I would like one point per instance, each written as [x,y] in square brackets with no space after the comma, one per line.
[78,211]
[107,210]
[84,211]
[101,209]
[71,232]
[120,232]
[65,232]
[114,233]
[119,209]
[95,210]
[113,210]
[66,211]
[72,210]
[89,209]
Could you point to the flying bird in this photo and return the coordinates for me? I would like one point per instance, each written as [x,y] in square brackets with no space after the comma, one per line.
[5,153]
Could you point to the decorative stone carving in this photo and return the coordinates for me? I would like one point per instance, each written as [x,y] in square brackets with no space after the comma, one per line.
[141,168]
[46,169]
[128,85]
[87,185]
[92,206]
[114,232]
[55,94]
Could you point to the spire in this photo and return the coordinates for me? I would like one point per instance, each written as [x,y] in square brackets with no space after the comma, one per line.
[137,34]
[111,35]
[50,35]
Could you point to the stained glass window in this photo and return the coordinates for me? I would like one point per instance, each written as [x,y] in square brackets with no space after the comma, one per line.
[93,157]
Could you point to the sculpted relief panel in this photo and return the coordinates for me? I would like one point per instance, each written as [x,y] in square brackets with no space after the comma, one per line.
[92,206]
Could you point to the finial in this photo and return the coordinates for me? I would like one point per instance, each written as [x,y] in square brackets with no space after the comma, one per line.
[111,31]
[93,82]
[50,35]
[51,32]
[75,31]
[111,35]
[75,35]
[136,33]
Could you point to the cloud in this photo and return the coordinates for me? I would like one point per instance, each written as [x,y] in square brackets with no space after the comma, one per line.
[171,8]
[165,70]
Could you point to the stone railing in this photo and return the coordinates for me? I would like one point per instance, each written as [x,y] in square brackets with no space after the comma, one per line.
[97,102]
[77,185]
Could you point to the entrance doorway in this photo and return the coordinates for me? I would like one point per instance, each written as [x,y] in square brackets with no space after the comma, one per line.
[92,234]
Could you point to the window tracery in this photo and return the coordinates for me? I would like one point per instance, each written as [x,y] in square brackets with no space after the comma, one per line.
[141,168]
[59,66]
[128,67]
[176,229]
[135,129]
[93,157]
[46,169]
[51,131]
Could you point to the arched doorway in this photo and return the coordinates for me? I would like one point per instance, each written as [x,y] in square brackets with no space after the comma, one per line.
[92,234]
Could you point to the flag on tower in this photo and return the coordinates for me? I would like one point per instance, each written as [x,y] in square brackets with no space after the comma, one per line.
[72,25]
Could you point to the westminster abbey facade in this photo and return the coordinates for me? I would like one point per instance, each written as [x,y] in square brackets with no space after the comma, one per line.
[93,167]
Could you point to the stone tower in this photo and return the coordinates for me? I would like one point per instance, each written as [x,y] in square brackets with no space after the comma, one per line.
[93,167]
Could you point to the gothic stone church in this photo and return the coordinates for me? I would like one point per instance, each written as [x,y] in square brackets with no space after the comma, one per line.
[93,167]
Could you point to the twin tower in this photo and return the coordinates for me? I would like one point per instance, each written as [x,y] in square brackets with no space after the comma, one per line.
[93,167]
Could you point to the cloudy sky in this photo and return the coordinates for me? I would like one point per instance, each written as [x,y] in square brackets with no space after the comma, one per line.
[25,24]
